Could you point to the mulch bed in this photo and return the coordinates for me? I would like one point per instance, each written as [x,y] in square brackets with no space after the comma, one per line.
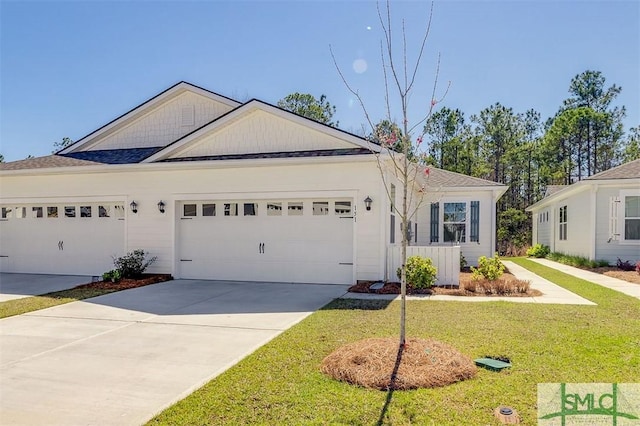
[373,363]
[612,271]
[128,283]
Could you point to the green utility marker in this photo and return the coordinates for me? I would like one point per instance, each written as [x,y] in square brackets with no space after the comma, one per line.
[492,364]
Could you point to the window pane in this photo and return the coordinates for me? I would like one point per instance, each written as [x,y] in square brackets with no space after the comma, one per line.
[70,211]
[231,209]
[208,210]
[52,211]
[632,229]
[343,207]
[6,212]
[36,212]
[250,209]
[632,206]
[294,208]
[85,211]
[454,232]
[104,211]
[320,208]
[119,211]
[455,212]
[274,209]
[392,196]
[189,210]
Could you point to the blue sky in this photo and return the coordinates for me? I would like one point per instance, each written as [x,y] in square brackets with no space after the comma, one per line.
[66,68]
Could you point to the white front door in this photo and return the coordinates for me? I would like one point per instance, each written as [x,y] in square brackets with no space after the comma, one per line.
[302,241]
[61,238]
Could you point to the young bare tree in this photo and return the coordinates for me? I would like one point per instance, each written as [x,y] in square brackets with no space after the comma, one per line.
[401,154]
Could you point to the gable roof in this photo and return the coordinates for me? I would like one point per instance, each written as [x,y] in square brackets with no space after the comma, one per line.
[46,162]
[446,179]
[630,170]
[552,189]
[143,108]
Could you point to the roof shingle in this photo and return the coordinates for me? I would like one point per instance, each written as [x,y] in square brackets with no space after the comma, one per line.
[630,170]
[49,161]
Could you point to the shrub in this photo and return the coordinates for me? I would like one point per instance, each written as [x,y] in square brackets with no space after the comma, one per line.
[133,264]
[489,268]
[577,261]
[463,262]
[421,274]
[638,267]
[499,287]
[625,265]
[539,251]
[112,275]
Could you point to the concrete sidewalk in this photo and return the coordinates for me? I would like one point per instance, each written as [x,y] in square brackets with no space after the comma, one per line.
[121,358]
[552,293]
[616,284]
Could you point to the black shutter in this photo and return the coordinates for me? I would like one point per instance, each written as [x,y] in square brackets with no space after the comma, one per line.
[435,222]
[475,221]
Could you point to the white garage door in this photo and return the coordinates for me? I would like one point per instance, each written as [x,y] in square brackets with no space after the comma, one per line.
[66,238]
[302,241]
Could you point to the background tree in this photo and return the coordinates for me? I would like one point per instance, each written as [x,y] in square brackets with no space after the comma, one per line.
[1,158]
[60,145]
[308,106]
[445,128]
[632,149]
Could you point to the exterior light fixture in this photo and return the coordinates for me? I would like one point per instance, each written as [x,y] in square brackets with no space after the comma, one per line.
[161,206]
[367,203]
[134,207]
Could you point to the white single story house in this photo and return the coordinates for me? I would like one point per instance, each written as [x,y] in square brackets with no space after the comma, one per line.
[219,189]
[597,218]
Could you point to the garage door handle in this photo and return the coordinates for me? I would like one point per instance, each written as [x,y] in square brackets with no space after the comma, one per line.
[345,263]
[261,248]
[3,255]
[186,260]
[346,217]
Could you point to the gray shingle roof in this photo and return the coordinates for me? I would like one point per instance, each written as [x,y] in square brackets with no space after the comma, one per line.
[630,170]
[552,189]
[115,156]
[49,161]
[444,178]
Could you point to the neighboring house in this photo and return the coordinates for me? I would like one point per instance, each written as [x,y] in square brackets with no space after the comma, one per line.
[218,189]
[597,218]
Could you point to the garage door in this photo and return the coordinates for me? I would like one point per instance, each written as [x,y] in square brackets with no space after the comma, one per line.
[67,238]
[302,241]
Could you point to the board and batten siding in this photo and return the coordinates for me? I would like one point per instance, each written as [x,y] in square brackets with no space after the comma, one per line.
[155,232]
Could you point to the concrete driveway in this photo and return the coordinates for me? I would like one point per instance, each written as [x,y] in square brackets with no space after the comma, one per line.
[121,358]
[17,286]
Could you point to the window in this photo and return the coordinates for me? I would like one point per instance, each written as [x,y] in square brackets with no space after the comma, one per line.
[320,208]
[562,223]
[119,211]
[85,211]
[70,211]
[343,207]
[250,209]
[274,209]
[231,209]
[190,210]
[6,212]
[52,212]
[392,197]
[632,217]
[104,211]
[294,208]
[208,210]
[36,212]
[454,222]
[21,212]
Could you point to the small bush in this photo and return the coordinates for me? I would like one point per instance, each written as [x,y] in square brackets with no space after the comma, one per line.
[538,251]
[112,275]
[500,287]
[577,261]
[463,262]
[421,274]
[133,264]
[489,268]
[625,265]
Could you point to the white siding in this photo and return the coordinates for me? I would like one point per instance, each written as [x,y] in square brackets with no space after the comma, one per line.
[579,232]
[261,131]
[612,250]
[164,124]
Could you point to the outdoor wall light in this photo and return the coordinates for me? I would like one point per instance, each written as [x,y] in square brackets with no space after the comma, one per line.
[134,207]
[367,203]
[161,206]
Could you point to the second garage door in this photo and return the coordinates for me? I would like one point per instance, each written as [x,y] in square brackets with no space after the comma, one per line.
[301,241]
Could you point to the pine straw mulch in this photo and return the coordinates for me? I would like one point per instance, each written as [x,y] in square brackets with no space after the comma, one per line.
[371,363]
[128,283]
[506,285]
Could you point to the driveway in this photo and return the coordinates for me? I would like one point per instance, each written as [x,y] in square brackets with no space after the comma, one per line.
[121,358]
[17,286]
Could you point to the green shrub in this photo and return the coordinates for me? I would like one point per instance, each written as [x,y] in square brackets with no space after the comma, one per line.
[539,251]
[421,273]
[112,275]
[576,261]
[489,268]
[463,262]
[133,264]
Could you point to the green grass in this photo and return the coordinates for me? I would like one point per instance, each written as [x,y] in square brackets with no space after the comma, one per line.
[30,304]
[281,384]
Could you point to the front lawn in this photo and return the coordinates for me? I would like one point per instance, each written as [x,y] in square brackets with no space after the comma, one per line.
[281,383]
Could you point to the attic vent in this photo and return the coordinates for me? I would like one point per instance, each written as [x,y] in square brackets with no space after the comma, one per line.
[188,115]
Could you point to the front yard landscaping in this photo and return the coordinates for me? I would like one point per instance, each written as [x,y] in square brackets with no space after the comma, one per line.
[281,383]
